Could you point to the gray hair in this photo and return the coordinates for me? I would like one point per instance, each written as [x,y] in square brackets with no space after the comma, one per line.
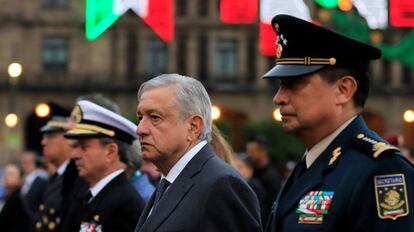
[191,96]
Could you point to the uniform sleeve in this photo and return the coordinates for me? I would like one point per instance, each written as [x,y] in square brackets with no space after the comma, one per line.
[384,198]
[231,206]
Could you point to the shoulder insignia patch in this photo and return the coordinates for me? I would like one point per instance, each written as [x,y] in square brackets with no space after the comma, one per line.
[391,196]
[371,146]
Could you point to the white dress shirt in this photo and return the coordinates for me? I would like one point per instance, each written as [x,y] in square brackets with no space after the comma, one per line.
[103,182]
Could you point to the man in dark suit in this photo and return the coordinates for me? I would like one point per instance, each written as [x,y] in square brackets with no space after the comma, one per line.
[350,179]
[102,142]
[198,191]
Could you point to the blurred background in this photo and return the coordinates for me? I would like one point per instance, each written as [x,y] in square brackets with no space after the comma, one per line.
[52,51]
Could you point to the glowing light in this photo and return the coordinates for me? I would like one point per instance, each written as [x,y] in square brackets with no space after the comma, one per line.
[42,110]
[215,112]
[11,120]
[15,70]
[327,3]
[409,116]
[276,115]
[345,5]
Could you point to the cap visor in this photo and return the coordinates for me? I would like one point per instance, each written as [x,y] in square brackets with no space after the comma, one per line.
[282,70]
[50,129]
[79,133]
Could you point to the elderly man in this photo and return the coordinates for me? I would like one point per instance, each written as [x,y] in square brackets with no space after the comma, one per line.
[198,191]
[350,179]
[102,142]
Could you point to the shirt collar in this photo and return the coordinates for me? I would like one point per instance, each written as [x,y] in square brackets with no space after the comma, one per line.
[312,154]
[104,181]
[183,161]
[62,167]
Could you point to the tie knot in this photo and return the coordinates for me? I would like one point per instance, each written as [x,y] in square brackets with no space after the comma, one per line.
[88,196]
[162,186]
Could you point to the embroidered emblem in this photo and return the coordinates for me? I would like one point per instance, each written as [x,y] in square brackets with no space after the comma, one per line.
[313,206]
[335,154]
[77,114]
[280,41]
[391,196]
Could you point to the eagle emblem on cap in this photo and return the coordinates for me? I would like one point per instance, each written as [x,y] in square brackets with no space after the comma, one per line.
[77,114]
[280,41]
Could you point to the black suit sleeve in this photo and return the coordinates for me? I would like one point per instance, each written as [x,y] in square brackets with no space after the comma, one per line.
[231,206]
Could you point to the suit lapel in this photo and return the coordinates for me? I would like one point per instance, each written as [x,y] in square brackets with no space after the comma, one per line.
[97,200]
[314,176]
[175,194]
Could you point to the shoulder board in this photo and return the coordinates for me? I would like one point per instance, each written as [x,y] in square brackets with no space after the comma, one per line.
[371,146]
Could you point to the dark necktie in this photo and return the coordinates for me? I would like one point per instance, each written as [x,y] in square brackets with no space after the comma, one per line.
[296,174]
[162,186]
[88,197]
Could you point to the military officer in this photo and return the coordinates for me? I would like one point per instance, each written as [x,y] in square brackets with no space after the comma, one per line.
[350,179]
[56,149]
[101,148]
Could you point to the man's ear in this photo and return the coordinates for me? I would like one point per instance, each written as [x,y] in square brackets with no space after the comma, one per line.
[346,88]
[111,153]
[196,124]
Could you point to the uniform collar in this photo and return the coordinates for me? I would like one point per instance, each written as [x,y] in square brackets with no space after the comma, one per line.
[312,154]
[104,181]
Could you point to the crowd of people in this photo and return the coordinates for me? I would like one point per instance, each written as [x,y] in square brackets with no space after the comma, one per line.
[174,171]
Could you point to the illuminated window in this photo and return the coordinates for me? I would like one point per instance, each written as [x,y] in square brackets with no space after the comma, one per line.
[226,59]
[55,53]
[155,56]
[55,3]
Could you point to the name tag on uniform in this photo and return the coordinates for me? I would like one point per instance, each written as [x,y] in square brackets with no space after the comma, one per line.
[313,206]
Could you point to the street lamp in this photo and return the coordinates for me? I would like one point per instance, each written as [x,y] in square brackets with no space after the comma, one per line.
[11,120]
[409,116]
[276,115]
[14,70]
[42,110]
[215,112]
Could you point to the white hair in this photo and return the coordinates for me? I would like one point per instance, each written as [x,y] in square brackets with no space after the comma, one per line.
[191,97]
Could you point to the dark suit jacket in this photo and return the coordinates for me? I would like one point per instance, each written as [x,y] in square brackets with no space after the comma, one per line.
[116,208]
[13,218]
[32,200]
[208,195]
[353,178]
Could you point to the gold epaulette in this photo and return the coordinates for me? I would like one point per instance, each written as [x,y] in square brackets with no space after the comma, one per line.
[372,146]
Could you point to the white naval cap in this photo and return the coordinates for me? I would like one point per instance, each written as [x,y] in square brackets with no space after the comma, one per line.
[93,120]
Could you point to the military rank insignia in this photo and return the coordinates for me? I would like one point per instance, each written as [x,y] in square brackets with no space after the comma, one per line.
[313,206]
[391,196]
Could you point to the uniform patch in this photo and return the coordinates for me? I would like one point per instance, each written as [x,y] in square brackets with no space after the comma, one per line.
[313,206]
[391,196]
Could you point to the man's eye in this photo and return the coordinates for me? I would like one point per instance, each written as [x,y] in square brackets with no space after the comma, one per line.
[155,117]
